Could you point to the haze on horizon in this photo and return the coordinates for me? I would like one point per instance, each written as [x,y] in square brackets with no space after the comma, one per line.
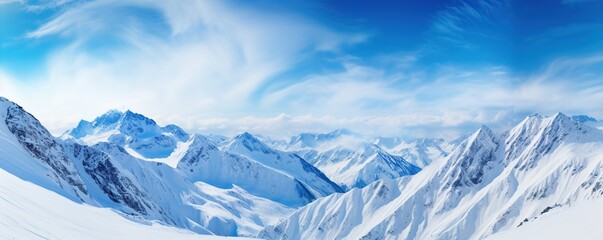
[412,68]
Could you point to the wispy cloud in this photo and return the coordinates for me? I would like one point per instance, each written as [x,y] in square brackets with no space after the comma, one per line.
[283,125]
[460,23]
[206,57]
[216,66]
[10,1]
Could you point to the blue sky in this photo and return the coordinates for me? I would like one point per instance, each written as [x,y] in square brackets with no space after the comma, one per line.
[412,68]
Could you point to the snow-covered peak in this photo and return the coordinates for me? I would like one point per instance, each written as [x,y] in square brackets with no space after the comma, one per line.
[476,162]
[288,163]
[313,140]
[108,119]
[178,132]
[490,182]
[128,123]
[135,124]
[539,135]
[584,118]
[388,142]
[264,177]
[249,142]
[132,131]
[421,151]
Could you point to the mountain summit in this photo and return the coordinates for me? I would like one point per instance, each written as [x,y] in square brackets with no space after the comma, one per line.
[130,130]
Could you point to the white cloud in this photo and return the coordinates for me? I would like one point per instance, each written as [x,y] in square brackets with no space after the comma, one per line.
[202,70]
[214,57]
[7,86]
[10,1]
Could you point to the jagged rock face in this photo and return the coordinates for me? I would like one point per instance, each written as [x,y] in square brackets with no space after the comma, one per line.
[492,182]
[110,179]
[41,145]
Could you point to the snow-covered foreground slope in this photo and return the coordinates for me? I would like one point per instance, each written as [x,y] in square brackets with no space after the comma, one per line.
[347,159]
[28,211]
[582,221]
[491,182]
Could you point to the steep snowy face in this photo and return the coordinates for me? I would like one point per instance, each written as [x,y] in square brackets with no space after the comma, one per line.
[131,131]
[40,145]
[107,180]
[352,161]
[360,166]
[420,152]
[583,118]
[348,159]
[289,164]
[537,136]
[151,191]
[490,183]
[204,162]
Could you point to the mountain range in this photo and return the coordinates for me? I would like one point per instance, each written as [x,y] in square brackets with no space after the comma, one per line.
[491,182]
[124,170]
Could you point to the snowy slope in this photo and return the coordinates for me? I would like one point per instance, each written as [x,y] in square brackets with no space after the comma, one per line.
[157,192]
[349,160]
[28,211]
[491,182]
[204,162]
[582,221]
[289,164]
[355,168]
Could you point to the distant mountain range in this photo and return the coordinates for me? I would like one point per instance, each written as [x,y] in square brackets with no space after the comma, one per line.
[336,185]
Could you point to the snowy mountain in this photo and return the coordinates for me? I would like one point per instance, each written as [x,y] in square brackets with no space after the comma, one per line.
[133,131]
[192,204]
[348,159]
[252,171]
[420,152]
[29,151]
[122,171]
[106,175]
[283,177]
[314,181]
[284,180]
[491,182]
